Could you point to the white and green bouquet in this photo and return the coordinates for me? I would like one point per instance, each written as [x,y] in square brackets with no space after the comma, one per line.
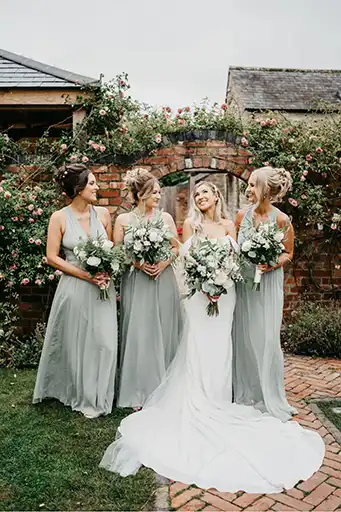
[99,255]
[211,267]
[149,240]
[263,246]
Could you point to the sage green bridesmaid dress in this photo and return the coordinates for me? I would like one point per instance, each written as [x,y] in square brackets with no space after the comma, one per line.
[78,360]
[151,327]
[258,364]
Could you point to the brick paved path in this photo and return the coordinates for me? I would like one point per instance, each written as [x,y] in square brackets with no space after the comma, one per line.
[305,378]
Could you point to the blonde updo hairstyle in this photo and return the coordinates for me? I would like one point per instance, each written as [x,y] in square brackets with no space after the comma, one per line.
[272,183]
[140,183]
[195,214]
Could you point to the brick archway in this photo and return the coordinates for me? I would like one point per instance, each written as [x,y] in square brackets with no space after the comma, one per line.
[192,156]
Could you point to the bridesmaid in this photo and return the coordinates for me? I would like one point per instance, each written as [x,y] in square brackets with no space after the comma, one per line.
[78,361]
[151,314]
[258,358]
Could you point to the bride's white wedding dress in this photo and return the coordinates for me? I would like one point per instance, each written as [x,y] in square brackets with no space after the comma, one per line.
[191,432]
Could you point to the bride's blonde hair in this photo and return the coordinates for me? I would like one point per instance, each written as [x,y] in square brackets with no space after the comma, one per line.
[195,215]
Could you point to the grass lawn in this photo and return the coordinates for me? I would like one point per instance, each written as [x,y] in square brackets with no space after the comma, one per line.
[327,408]
[49,456]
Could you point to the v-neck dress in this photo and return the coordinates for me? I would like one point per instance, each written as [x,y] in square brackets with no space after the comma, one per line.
[151,327]
[78,360]
[258,377]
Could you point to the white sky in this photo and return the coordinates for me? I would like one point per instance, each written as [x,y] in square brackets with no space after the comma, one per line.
[176,52]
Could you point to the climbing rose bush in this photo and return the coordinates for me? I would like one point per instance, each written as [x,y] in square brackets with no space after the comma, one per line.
[24,217]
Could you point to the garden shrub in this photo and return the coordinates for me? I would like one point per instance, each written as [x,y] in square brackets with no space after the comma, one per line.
[314,330]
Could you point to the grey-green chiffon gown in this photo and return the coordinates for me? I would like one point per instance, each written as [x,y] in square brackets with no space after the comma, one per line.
[151,327]
[258,364]
[78,360]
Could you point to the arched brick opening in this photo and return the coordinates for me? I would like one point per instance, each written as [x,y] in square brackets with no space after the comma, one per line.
[210,156]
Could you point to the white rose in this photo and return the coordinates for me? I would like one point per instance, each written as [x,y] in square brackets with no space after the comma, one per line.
[220,278]
[96,243]
[93,261]
[279,237]
[154,236]
[76,251]
[246,246]
[252,254]
[138,246]
[146,243]
[266,245]
[107,245]
[82,255]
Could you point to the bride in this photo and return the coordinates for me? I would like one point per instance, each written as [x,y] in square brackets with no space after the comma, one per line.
[189,430]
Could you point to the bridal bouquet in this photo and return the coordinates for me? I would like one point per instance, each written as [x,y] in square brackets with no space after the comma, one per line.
[148,241]
[98,255]
[211,267]
[263,246]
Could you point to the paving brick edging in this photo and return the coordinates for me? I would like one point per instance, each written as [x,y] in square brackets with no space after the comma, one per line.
[323,418]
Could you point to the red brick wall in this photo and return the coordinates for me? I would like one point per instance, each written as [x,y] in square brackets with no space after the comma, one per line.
[209,156]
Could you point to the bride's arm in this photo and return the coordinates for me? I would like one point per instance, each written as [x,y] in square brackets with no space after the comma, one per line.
[230,229]
[187,230]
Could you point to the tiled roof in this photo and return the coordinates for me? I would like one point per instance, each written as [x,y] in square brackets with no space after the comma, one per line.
[282,89]
[18,71]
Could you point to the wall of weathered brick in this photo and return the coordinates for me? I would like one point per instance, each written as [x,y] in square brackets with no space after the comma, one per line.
[198,156]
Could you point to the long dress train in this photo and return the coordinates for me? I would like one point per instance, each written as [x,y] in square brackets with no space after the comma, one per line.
[191,432]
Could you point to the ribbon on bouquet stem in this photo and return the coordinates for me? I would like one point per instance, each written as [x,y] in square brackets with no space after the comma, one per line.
[212,308]
[257,278]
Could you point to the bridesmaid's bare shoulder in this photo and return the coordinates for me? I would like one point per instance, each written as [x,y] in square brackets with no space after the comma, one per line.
[282,218]
[123,218]
[240,215]
[103,213]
